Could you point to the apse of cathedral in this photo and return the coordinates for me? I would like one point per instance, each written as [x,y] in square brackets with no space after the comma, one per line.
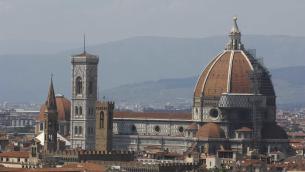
[234,106]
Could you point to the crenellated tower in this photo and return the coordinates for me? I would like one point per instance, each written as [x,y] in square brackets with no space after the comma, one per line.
[104,125]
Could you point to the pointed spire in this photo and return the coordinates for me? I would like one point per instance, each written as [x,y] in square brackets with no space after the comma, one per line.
[235,37]
[51,100]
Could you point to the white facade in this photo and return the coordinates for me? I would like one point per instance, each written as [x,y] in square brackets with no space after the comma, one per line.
[84,95]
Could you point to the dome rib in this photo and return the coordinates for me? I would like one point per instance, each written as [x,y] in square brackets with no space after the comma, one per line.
[228,72]
[202,77]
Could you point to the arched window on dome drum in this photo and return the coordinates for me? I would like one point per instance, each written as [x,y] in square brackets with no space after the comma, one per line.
[79,85]
[102,119]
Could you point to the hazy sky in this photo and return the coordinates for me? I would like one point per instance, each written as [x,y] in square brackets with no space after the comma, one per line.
[103,21]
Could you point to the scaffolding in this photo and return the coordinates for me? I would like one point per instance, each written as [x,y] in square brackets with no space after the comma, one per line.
[257,77]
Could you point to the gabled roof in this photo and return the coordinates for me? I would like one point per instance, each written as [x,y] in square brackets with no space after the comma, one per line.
[41,136]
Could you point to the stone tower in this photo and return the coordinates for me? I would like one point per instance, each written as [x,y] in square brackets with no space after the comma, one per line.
[51,123]
[104,121]
[84,95]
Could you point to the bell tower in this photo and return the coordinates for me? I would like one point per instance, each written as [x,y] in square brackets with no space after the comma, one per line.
[84,96]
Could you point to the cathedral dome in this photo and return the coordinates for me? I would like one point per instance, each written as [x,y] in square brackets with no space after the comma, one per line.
[63,109]
[230,72]
[210,130]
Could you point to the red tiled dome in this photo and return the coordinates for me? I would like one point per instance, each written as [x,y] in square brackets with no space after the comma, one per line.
[229,72]
[210,130]
[63,109]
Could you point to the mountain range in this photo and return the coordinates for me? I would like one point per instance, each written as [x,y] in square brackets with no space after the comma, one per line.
[143,60]
[290,90]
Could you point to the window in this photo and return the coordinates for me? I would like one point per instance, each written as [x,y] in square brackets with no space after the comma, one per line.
[41,126]
[214,113]
[80,110]
[133,128]
[79,85]
[181,129]
[80,130]
[102,119]
[76,110]
[76,130]
[157,129]
[90,89]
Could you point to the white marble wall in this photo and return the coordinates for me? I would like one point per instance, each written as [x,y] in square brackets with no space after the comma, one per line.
[149,127]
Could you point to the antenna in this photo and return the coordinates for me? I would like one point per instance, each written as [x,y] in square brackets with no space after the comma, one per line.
[98,91]
[84,43]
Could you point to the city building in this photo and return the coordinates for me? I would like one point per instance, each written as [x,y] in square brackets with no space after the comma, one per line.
[63,112]
[84,96]
[104,125]
[234,108]
[51,124]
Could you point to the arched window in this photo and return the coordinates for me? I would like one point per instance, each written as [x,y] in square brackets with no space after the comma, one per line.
[90,88]
[79,85]
[80,130]
[76,110]
[102,119]
[76,130]
[80,110]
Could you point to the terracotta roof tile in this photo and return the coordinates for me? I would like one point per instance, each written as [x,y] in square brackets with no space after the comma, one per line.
[225,74]
[15,154]
[210,130]
[244,129]
[63,109]
[154,115]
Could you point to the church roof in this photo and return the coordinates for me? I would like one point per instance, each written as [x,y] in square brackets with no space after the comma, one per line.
[51,102]
[244,129]
[41,136]
[230,71]
[210,130]
[192,126]
[15,154]
[63,109]
[85,54]
[154,115]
